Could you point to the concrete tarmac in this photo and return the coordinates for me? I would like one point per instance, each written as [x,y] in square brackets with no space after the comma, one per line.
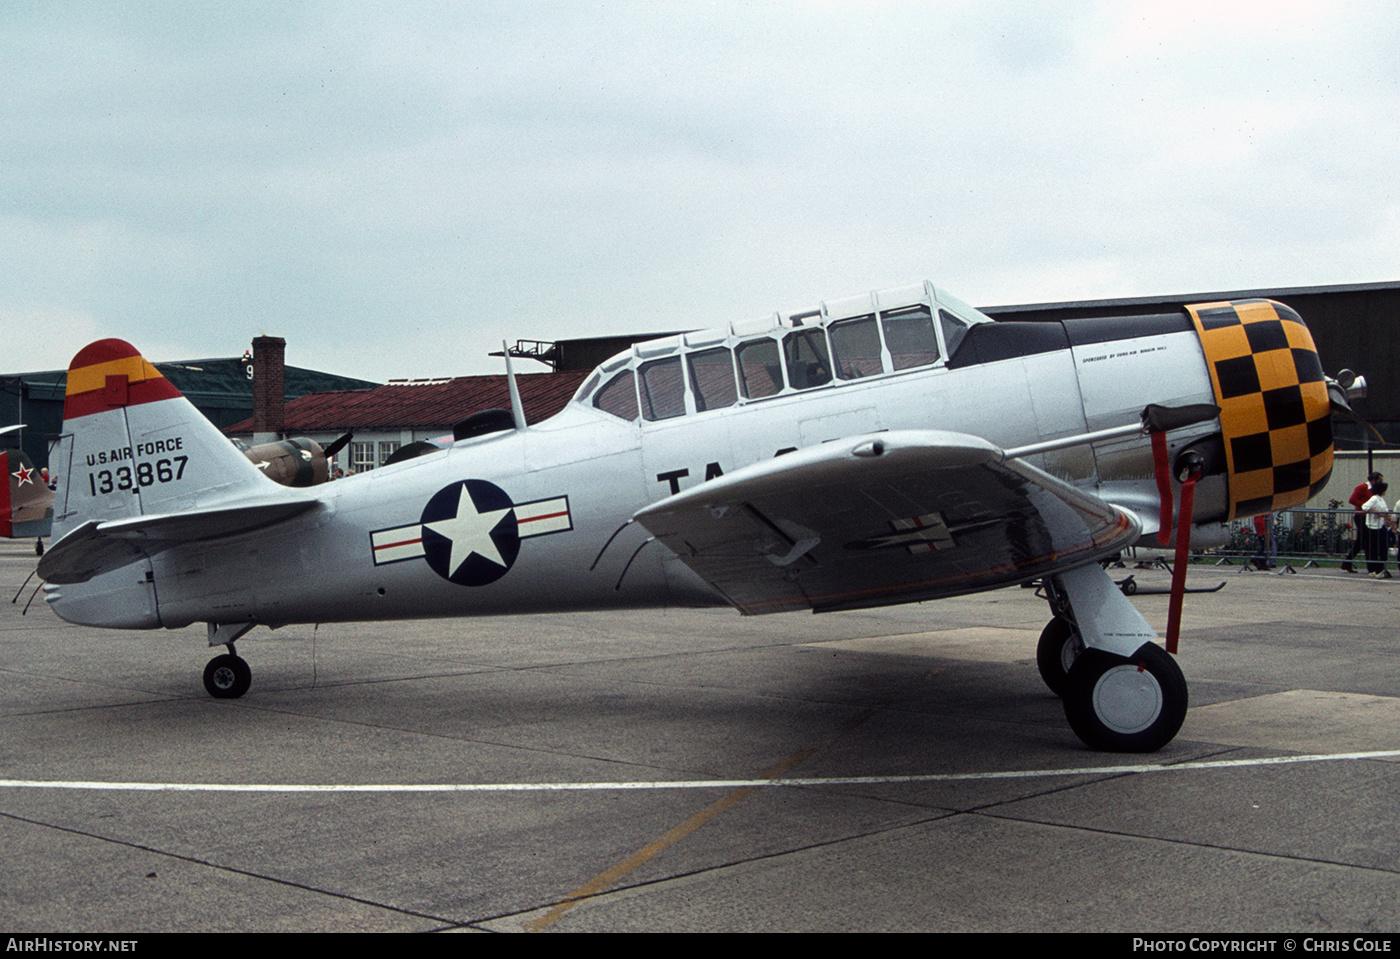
[891,770]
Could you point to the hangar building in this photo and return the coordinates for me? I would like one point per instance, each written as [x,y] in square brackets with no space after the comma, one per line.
[1355,326]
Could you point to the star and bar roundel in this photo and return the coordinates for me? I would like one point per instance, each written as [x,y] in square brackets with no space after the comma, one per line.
[470,532]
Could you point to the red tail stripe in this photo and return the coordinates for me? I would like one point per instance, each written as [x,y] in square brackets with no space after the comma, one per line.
[110,374]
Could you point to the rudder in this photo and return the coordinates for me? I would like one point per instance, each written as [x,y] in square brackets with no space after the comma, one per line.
[132,445]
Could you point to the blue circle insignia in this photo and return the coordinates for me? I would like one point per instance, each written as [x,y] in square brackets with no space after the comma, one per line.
[470,536]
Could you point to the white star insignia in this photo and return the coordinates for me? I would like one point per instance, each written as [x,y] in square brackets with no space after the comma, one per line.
[470,532]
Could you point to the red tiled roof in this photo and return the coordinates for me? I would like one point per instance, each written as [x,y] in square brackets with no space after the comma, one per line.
[431,404]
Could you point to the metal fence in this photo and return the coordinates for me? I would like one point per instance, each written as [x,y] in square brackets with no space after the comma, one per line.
[1301,536]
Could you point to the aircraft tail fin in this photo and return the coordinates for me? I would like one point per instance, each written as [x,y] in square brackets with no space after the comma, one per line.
[132,445]
[25,501]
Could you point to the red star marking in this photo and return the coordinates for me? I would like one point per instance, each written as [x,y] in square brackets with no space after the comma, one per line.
[25,474]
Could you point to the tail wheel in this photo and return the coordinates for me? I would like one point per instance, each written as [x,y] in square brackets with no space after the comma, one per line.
[227,676]
[1134,704]
[1060,645]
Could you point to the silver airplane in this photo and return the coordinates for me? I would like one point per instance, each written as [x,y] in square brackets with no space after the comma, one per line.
[893,447]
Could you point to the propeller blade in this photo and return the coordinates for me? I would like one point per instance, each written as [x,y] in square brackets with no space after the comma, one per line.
[338,445]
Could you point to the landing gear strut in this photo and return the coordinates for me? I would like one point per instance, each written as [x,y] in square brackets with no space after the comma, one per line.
[1121,691]
[227,676]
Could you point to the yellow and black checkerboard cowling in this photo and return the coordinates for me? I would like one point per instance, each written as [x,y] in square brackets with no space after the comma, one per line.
[1274,409]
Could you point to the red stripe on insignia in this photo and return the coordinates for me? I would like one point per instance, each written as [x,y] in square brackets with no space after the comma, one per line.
[536,519]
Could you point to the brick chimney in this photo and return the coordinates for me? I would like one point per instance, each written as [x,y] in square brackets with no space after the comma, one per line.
[269,388]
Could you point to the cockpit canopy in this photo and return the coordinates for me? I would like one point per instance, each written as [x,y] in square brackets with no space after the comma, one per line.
[876,334]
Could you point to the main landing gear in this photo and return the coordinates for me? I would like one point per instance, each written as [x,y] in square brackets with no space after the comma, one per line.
[1115,699]
[1060,645]
[227,676]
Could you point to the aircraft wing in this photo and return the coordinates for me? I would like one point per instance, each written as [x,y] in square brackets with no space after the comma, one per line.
[99,547]
[880,519]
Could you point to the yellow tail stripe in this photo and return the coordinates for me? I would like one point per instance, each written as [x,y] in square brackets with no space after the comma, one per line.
[94,377]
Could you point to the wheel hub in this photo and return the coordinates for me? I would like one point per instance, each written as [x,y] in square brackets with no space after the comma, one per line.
[1127,699]
[1070,651]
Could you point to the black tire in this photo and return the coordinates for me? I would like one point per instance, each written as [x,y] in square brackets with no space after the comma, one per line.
[1128,705]
[1059,646]
[227,676]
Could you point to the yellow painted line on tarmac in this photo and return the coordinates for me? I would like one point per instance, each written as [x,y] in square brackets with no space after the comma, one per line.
[605,880]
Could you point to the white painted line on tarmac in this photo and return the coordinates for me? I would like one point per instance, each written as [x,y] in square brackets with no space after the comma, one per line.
[686,784]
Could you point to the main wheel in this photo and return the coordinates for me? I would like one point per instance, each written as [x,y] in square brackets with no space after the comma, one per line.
[1060,645]
[1133,705]
[227,676]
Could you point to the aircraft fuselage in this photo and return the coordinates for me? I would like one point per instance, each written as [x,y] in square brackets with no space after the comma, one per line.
[574,481]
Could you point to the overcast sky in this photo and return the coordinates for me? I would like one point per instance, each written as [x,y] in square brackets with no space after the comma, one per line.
[395,188]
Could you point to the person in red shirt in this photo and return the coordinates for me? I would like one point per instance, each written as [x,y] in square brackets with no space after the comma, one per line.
[1263,558]
[1358,498]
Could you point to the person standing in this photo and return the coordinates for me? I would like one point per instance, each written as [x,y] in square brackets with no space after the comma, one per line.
[1358,499]
[1266,557]
[1378,521]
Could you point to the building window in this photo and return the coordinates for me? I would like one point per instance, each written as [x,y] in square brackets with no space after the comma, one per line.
[361,457]
[387,449]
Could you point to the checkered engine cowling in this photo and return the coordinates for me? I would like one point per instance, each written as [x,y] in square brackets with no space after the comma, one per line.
[1274,410]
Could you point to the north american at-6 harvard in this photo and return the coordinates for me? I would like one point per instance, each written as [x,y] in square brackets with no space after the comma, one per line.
[887,448]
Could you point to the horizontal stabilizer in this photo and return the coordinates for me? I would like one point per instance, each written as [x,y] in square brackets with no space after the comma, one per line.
[99,547]
[141,470]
